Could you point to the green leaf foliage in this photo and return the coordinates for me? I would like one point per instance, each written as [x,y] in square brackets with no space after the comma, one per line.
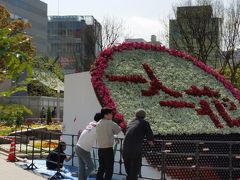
[16,55]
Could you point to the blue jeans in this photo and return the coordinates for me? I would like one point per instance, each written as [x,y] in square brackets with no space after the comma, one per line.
[85,163]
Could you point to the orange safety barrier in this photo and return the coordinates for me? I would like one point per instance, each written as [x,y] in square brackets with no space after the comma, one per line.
[11,155]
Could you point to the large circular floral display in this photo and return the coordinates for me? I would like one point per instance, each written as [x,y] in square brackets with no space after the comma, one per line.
[180,94]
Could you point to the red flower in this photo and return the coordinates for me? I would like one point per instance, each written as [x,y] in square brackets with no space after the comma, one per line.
[106,53]
[118,116]
[206,91]
[222,112]
[131,78]
[156,85]
[233,107]
[206,110]
[123,125]
[177,104]
[97,73]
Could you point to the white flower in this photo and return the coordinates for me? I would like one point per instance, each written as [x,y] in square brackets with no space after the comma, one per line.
[178,74]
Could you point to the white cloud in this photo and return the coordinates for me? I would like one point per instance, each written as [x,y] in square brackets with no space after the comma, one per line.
[142,27]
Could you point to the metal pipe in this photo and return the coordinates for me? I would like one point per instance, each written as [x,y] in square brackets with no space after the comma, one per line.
[20,145]
[197,173]
[230,162]
[72,149]
[41,145]
[49,142]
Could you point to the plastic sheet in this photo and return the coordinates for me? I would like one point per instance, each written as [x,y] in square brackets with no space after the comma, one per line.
[66,171]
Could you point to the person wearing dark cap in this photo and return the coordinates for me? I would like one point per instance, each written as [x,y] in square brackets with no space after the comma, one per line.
[84,146]
[137,130]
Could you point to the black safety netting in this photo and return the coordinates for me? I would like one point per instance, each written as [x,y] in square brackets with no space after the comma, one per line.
[203,157]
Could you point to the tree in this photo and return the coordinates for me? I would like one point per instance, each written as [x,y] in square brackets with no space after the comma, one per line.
[16,49]
[97,37]
[36,88]
[12,114]
[49,70]
[228,74]
[19,119]
[92,41]
[230,62]
[49,115]
[112,31]
[196,40]
[197,29]
[47,64]
[16,54]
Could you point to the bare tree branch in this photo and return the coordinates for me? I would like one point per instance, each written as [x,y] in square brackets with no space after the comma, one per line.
[231,39]
[197,29]
[111,33]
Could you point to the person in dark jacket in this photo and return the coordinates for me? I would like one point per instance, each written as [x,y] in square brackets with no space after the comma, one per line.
[137,130]
[56,157]
[43,115]
[54,112]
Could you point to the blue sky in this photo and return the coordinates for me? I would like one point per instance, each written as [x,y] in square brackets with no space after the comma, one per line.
[141,17]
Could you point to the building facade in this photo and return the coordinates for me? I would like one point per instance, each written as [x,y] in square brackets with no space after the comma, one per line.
[196,31]
[74,40]
[153,40]
[34,12]
[135,40]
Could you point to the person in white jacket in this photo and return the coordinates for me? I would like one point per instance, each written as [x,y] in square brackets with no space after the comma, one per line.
[84,146]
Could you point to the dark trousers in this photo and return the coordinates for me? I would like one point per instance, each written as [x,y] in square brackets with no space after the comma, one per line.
[132,166]
[106,163]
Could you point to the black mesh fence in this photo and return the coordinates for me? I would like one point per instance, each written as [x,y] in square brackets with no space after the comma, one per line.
[194,159]
[200,157]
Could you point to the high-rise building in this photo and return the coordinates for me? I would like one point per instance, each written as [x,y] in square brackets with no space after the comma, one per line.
[75,40]
[196,31]
[34,12]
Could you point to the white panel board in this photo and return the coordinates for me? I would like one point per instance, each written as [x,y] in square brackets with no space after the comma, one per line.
[80,105]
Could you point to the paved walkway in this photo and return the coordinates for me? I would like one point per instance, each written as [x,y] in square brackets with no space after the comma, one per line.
[9,171]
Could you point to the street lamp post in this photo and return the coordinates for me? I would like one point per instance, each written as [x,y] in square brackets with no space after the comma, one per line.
[58,103]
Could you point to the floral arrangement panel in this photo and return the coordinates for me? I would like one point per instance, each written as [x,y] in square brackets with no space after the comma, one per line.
[180,94]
